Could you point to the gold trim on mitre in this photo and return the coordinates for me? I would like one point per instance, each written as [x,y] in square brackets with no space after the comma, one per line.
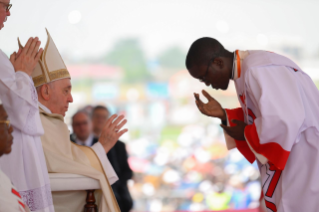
[59,74]
[50,66]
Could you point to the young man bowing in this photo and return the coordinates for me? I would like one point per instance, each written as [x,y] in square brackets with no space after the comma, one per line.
[277,123]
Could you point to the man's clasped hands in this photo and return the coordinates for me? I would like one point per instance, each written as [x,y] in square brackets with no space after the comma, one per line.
[214,109]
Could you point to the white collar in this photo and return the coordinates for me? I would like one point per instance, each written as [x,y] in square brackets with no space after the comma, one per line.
[87,142]
[238,55]
[47,110]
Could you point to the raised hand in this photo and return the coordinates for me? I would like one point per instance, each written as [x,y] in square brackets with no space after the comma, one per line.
[211,108]
[112,132]
[236,132]
[26,59]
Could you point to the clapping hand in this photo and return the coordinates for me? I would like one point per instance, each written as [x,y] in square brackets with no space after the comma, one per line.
[211,108]
[112,131]
[236,132]
[26,59]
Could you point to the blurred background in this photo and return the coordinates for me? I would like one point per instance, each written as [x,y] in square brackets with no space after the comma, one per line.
[129,56]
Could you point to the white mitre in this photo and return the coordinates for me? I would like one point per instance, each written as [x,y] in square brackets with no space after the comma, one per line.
[51,66]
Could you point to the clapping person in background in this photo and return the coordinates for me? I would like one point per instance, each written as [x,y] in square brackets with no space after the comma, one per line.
[25,166]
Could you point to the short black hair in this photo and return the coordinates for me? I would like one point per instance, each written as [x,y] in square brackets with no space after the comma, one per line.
[203,50]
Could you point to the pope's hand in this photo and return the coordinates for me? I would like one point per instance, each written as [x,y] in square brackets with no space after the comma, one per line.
[112,132]
[26,59]
[211,108]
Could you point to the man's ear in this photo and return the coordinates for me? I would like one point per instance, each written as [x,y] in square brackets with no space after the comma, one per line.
[45,92]
[218,62]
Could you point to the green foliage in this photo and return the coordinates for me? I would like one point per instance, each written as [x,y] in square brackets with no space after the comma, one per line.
[173,58]
[128,55]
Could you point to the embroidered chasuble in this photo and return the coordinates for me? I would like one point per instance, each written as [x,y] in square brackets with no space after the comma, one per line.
[25,165]
[63,156]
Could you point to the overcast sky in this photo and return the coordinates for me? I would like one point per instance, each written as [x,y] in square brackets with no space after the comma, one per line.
[87,28]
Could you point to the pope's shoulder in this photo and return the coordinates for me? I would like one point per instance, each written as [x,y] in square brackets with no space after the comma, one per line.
[50,116]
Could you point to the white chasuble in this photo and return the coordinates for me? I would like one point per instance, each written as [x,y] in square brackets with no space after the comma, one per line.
[25,165]
[63,156]
[280,104]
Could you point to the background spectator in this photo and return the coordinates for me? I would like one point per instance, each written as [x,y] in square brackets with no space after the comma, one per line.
[82,129]
[99,117]
[118,158]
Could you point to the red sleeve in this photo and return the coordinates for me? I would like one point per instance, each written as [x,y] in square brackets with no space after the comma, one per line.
[242,146]
[272,150]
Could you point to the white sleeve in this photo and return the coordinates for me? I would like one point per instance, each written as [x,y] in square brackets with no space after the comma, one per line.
[276,93]
[109,171]
[19,97]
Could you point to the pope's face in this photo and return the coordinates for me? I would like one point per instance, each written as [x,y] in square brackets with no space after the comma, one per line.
[5,133]
[61,96]
[3,12]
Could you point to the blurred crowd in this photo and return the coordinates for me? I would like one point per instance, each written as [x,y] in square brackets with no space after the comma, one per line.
[194,173]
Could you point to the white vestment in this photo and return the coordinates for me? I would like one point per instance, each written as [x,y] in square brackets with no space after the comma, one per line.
[10,199]
[100,152]
[280,104]
[25,165]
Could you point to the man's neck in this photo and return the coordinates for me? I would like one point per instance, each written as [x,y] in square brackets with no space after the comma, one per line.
[83,140]
[97,133]
[43,107]
[86,142]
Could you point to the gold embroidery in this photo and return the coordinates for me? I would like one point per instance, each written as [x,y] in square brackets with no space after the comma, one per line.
[47,75]
[38,80]
[59,74]
[42,69]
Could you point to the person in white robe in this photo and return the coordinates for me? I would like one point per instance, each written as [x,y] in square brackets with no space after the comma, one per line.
[53,83]
[10,199]
[25,166]
[277,123]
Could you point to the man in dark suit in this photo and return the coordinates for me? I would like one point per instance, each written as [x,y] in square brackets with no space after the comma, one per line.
[117,156]
[82,129]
